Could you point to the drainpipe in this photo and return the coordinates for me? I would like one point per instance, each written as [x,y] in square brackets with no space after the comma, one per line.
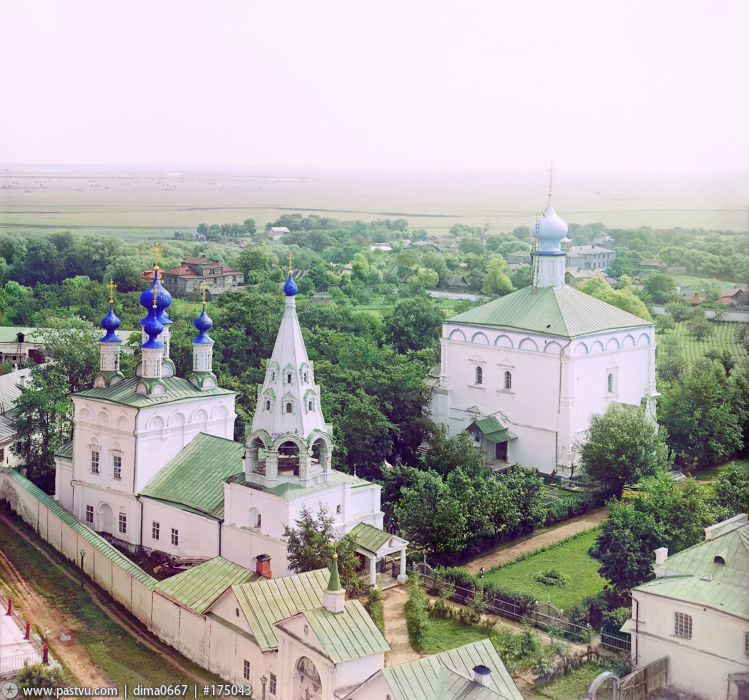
[559,404]
[637,629]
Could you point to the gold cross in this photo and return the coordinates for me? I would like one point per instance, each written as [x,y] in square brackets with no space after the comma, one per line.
[111,287]
[156,251]
[155,294]
[335,550]
[203,287]
[291,262]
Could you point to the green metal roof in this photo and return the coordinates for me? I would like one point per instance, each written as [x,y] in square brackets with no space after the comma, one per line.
[561,311]
[194,478]
[421,679]
[694,575]
[290,490]
[493,430]
[66,451]
[96,541]
[9,334]
[369,537]
[455,686]
[198,587]
[123,392]
[267,601]
[346,635]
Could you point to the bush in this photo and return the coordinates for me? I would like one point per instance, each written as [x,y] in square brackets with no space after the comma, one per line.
[373,605]
[567,508]
[417,618]
[469,617]
[439,608]
[41,676]
[551,577]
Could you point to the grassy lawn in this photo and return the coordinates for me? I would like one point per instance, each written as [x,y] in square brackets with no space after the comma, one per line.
[443,634]
[712,473]
[574,685]
[722,337]
[571,559]
[123,658]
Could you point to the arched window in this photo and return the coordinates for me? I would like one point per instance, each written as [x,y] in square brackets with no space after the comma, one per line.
[306,376]
[310,405]
[288,377]
[289,407]
[267,404]
[273,376]
[508,380]
[479,375]
[309,678]
[610,383]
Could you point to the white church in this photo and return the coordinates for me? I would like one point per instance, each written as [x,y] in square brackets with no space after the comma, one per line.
[525,372]
[154,465]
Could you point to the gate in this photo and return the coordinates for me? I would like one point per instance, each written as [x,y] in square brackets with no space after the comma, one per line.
[640,683]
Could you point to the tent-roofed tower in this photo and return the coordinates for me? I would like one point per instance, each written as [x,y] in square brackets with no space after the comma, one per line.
[289,439]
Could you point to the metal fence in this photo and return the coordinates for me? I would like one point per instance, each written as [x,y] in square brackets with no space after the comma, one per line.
[544,616]
[21,624]
[565,666]
[10,663]
[620,642]
[646,680]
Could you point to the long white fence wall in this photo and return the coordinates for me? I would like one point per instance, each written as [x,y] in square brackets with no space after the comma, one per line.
[125,581]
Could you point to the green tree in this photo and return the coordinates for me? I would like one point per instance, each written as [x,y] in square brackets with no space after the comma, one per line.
[41,676]
[359,267]
[310,546]
[660,287]
[413,324]
[624,297]
[255,263]
[72,344]
[445,454]
[496,282]
[699,326]
[621,447]
[703,427]
[732,491]
[680,310]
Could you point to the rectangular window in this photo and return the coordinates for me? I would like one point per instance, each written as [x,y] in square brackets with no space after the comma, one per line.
[2,455]
[122,523]
[94,461]
[155,527]
[246,670]
[117,463]
[746,643]
[89,514]
[683,625]
[175,537]
[272,683]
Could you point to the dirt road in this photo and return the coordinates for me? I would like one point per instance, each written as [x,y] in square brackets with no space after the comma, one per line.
[571,527]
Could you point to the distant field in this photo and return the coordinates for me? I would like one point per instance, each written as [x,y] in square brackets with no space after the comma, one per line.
[142,204]
[722,337]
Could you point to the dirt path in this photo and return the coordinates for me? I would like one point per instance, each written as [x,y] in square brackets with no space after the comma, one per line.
[571,527]
[46,616]
[32,602]
[393,600]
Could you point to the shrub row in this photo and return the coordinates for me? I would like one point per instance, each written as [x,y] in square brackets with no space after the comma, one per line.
[567,508]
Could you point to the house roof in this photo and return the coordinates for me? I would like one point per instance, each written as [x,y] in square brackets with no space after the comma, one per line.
[371,538]
[6,429]
[9,334]
[695,575]
[560,311]
[95,540]
[267,601]
[423,679]
[198,587]
[346,635]
[194,478]
[177,389]
[587,250]
[10,388]
[292,490]
[65,451]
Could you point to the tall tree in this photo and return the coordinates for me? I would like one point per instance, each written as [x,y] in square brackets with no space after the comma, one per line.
[413,324]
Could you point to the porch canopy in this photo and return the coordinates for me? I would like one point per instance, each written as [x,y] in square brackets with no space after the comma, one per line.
[492,430]
[374,544]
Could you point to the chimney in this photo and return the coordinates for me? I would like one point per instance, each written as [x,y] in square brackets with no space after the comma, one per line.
[481,675]
[262,566]
[660,561]
[22,381]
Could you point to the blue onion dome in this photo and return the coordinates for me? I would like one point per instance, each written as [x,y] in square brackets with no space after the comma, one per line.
[163,298]
[203,323]
[152,327]
[110,323]
[550,229]
[290,288]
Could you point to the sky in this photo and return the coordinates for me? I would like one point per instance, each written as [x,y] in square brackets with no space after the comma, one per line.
[653,86]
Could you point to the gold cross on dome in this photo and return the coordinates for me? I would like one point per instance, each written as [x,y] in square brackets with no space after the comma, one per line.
[111,287]
[155,294]
[156,251]
[291,262]
[203,287]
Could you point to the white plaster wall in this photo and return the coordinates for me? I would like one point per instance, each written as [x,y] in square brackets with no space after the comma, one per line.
[198,536]
[63,483]
[700,664]
[118,502]
[375,689]
[163,430]
[242,546]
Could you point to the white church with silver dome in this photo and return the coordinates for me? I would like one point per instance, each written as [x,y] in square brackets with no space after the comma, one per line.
[524,373]
[153,463]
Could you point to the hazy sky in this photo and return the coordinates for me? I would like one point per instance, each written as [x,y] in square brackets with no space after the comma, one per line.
[654,86]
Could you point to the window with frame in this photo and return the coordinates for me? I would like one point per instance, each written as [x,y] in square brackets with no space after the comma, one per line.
[683,625]
[155,530]
[610,383]
[746,643]
[288,377]
[117,466]
[246,670]
[508,380]
[90,514]
[267,404]
[306,376]
[272,684]
[175,537]
[2,455]
[122,523]
[94,461]
[310,405]
[479,378]
[289,407]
